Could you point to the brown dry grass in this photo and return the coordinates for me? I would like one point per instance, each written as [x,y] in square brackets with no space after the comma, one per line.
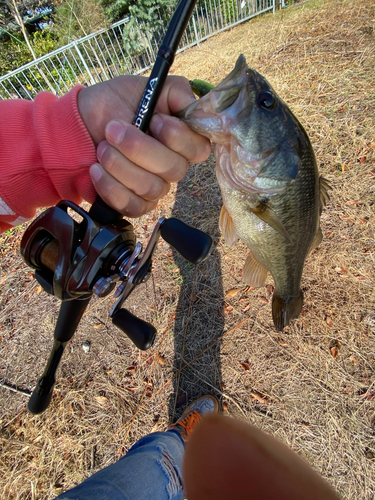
[319,56]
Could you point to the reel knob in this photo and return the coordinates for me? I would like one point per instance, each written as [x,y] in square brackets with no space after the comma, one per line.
[141,333]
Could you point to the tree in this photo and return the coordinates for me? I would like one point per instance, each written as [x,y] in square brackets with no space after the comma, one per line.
[147,19]
[74,19]
[21,16]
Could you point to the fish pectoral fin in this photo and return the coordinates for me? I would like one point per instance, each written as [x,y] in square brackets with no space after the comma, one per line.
[226,226]
[324,187]
[317,240]
[269,217]
[254,273]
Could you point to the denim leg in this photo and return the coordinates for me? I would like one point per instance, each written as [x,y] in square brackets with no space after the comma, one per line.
[150,470]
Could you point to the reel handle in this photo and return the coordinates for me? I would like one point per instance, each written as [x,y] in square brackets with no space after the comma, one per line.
[141,333]
[194,245]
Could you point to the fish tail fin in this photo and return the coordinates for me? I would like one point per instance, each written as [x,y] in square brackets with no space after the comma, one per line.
[284,310]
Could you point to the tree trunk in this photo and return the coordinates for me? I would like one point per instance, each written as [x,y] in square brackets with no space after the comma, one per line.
[19,21]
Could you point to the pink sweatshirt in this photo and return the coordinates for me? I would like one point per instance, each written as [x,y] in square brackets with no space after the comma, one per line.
[45,156]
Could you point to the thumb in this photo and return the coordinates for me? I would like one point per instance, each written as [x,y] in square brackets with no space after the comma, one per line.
[226,458]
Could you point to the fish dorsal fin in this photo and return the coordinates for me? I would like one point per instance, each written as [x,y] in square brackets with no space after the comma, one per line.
[226,226]
[254,273]
[324,187]
[269,217]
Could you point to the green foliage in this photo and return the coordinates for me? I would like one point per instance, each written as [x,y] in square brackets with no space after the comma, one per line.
[74,19]
[148,18]
[15,53]
[229,10]
[44,42]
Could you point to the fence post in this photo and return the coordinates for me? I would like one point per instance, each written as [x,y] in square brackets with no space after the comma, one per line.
[274,6]
[195,30]
[84,63]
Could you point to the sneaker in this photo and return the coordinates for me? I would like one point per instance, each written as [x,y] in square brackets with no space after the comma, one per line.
[193,414]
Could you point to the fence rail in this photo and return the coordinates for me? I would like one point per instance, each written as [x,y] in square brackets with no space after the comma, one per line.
[106,54]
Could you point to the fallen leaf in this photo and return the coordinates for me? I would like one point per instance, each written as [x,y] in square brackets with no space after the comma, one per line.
[334,351]
[245,366]
[229,308]
[369,396]
[98,325]
[101,400]
[263,300]
[352,203]
[258,397]
[341,270]
[270,289]
[161,359]
[193,297]
[247,308]
[232,292]
[223,386]
[329,321]
[39,289]
[225,406]
[281,342]
[354,360]
[362,160]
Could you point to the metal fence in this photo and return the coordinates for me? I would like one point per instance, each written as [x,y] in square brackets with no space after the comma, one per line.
[106,54]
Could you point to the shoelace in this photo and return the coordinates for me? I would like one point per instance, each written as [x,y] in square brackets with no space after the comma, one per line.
[189,422]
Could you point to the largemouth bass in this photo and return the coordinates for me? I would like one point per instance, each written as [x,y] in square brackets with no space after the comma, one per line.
[272,192]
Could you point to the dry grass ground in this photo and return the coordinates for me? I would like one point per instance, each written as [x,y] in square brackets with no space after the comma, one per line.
[319,56]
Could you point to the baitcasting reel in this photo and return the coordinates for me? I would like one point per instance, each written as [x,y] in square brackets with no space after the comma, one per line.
[73,260]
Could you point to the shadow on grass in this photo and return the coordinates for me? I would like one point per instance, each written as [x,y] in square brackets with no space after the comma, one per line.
[199,314]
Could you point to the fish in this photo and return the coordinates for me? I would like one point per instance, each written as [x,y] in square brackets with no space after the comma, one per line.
[273,194]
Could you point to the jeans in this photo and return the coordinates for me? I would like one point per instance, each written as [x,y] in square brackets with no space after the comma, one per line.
[151,470]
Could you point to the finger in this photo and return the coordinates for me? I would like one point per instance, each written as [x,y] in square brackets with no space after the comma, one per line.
[175,95]
[117,195]
[143,183]
[146,151]
[178,137]
[226,458]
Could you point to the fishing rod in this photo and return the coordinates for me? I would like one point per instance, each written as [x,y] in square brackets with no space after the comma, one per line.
[74,260]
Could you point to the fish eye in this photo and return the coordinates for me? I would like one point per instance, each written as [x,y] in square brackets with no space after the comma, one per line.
[266,99]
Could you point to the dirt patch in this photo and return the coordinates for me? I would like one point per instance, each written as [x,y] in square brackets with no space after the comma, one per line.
[313,384]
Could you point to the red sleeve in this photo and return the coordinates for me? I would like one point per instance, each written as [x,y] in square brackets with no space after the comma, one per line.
[45,156]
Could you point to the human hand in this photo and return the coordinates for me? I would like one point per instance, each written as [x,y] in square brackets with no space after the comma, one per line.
[135,168]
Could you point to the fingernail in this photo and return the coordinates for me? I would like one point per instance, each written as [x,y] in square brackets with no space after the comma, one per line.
[115,132]
[96,172]
[100,149]
[156,125]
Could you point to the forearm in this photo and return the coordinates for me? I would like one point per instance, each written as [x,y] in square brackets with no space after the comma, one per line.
[46,152]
